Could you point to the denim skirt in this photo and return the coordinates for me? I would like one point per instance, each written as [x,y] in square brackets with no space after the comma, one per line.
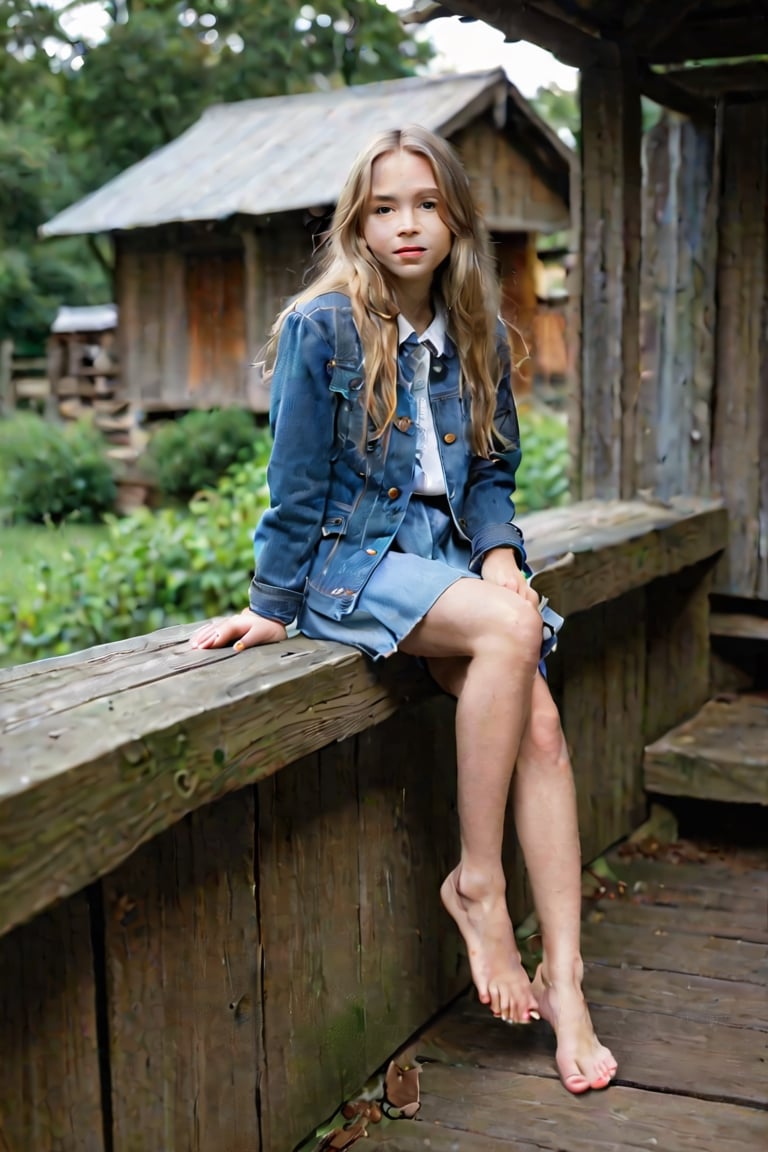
[427,556]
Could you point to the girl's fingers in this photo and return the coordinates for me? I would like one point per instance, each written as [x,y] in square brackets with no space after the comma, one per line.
[217,633]
[244,631]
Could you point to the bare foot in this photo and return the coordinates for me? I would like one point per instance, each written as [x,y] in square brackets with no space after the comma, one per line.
[483,920]
[582,1061]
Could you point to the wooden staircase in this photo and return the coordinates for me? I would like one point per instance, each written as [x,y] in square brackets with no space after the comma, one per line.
[721,753]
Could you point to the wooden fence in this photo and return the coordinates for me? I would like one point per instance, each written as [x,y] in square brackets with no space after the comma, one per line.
[219,874]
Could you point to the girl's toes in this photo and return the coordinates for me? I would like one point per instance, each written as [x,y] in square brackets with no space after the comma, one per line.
[576,1083]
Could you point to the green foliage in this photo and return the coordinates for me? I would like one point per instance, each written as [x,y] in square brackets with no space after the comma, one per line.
[51,471]
[560,109]
[153,570]
[543,476]
[193,452]
[172,566]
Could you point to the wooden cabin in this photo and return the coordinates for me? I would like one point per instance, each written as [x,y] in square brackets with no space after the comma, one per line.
[211,232]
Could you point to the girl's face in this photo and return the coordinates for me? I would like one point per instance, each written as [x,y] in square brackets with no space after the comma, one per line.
[402,224]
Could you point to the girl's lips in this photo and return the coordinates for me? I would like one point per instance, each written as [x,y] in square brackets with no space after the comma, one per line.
[411,251]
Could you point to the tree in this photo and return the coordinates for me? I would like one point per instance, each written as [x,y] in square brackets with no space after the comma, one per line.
[94,106]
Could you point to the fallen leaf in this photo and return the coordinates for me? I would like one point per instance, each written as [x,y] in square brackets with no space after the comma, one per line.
[401,1091]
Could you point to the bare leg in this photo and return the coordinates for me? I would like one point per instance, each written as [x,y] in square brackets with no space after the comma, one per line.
[547,828]
[498,634]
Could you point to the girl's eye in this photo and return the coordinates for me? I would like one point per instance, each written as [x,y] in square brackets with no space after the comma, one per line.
[381,210]
[430,204]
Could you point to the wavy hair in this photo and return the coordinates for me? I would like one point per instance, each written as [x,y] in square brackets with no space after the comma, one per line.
[466,281]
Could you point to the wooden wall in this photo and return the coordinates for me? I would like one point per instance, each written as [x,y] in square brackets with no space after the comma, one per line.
[509,190]
[516,255]
[196,304]
[703,400]
[670,392]
[678,306]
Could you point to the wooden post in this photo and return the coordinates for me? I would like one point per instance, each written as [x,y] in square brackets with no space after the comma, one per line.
[677,305]
[7,401]
[740,439]
[610,258]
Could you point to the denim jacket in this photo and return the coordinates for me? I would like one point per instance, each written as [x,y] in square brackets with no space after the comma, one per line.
[337,495]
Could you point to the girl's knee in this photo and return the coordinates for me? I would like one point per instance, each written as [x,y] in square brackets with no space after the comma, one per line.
[519,629]
[545,731]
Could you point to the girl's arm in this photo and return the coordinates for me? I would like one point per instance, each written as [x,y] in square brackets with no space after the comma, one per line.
[301,417]
[302,421]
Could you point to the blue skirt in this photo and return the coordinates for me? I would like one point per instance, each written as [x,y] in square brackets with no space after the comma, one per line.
[427,557]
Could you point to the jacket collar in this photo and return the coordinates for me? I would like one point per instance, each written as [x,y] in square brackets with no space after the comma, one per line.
[435,337]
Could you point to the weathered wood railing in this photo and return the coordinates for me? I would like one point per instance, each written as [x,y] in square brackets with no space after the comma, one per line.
[219,873]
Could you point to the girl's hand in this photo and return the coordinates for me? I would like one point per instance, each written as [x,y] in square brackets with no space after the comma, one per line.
[244,631]
[500,567]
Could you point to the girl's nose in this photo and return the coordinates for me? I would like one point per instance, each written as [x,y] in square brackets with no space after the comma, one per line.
[407,222]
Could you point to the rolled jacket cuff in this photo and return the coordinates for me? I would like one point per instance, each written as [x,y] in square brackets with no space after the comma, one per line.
[275,603]
[496,536]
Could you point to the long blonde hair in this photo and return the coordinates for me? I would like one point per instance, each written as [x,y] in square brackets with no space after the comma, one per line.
[466,282]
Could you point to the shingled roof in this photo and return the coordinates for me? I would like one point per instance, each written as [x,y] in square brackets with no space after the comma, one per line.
[291,152]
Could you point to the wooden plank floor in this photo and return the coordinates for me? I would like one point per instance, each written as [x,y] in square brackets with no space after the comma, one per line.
[677,979]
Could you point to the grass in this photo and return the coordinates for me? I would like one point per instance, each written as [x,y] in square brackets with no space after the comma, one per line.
[23,546]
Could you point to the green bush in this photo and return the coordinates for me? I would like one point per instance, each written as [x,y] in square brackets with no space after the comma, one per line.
[185,456]
[155,569]
[53,471]
[543,476]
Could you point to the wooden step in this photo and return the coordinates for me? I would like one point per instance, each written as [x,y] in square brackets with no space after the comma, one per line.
[721,753]
[32,387]
[738,625]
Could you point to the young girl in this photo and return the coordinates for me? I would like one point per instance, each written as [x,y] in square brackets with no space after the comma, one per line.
[391,526]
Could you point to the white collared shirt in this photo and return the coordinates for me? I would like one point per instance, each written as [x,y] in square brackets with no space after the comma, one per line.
[429,478]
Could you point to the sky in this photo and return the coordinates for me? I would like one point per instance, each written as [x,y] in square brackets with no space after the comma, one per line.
[460,47]
[473,47]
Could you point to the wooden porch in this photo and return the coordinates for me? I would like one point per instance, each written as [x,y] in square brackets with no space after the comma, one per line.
[677,977]
[219,875]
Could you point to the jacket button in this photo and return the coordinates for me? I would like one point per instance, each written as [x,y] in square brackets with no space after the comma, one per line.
[371,551]
[450,438]
[403,423]
[393,493]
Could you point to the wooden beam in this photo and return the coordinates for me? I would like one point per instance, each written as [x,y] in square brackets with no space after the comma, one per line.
[714,39]
[520,20]
[102,750]
[648,21]
[663,90]
[714,80]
